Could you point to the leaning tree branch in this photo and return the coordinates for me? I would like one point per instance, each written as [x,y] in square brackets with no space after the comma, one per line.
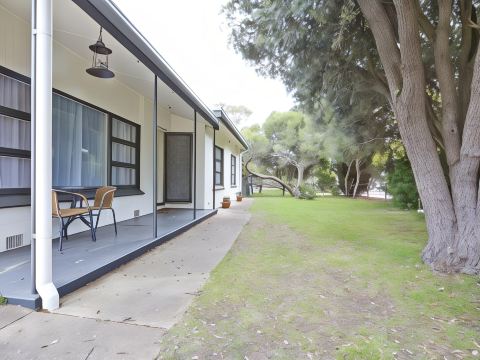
[269,177]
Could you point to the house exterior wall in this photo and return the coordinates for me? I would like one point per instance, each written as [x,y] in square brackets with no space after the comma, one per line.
[230,146]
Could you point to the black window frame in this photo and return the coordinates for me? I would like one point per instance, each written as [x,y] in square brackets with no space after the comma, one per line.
[233,170]
[221,172]
[136,145]
[20,115]
[19,193]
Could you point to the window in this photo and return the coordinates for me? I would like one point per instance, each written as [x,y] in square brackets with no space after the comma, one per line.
[125,153]
[233,181]
[91,147]
[79,144]
[14,134]
[218,166]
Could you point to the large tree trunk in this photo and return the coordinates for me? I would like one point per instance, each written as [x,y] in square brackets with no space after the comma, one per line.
[452,215]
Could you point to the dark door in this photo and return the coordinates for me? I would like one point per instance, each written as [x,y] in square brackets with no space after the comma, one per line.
[178,167]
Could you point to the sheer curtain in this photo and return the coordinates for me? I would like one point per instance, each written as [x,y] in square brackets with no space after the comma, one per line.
[79,144]
[14,134]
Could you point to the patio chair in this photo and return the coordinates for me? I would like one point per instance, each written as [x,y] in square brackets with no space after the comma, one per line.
[68,215]
[103,201]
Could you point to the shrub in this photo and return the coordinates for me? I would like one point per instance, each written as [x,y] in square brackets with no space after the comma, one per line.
[326,180]
[307,192]
[401,185]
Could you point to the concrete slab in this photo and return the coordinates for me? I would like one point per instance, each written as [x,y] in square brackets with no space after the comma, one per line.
[9,314]
[52,336]
[157,288]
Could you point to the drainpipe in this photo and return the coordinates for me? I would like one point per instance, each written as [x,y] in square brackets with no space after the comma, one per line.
[42,76]
[241,171]
[214,173]
[194,164]
[155,150]
[33,286]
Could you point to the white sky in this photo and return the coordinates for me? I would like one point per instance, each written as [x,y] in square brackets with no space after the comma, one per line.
[192,36]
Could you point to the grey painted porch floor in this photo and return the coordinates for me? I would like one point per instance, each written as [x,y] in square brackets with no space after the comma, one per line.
[81,256]
[126,312]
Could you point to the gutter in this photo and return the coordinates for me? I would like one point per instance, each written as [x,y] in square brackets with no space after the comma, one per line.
[223,117]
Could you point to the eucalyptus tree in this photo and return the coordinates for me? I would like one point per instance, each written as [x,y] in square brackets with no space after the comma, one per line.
[421,55]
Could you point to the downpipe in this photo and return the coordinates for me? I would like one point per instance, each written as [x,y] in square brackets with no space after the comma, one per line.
[42,75]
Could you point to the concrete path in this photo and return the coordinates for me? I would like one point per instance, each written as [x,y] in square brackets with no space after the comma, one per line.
[124,314]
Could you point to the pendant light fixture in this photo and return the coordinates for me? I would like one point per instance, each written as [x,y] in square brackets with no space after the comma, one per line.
[100,52]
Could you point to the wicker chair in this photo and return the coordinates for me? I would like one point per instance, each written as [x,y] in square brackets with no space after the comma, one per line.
[68,215]
[103,201]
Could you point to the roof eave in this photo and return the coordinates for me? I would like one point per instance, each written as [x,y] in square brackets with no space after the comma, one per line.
[110,17]
[223,116]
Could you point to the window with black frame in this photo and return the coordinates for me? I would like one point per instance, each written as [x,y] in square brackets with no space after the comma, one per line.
[234,171]
[14,135]
[81,141]
[218,166]
[125,153]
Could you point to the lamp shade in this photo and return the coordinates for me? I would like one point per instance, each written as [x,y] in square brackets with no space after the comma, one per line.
[100,68]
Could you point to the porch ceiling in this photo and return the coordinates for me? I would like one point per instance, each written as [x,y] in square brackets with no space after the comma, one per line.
[75,30]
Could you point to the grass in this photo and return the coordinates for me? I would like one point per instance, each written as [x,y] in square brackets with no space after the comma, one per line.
[3,301]
[329,278]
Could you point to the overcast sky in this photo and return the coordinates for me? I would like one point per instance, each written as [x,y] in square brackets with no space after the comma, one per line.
[192,36]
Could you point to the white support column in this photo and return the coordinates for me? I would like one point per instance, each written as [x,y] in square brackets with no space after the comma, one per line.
[42,78]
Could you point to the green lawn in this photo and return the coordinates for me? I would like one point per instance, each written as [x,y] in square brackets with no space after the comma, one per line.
[329,278]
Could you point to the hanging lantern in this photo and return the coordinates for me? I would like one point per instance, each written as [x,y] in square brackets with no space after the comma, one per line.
[100,59]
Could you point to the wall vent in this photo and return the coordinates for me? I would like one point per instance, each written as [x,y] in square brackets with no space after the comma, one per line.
[14,241]
[136,213]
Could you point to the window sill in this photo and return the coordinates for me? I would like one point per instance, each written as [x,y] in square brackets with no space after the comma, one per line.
[21,200]
[219,187]
[233,186]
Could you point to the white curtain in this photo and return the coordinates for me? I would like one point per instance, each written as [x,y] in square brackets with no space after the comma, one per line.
[79,144]
[14,172]
[14,94]
[123,153]
[123,176]
[14,134]
[122,130]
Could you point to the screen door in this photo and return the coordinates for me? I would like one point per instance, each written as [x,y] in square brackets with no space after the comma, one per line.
[178,167]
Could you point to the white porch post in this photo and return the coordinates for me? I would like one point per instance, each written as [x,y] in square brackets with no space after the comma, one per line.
[42,79]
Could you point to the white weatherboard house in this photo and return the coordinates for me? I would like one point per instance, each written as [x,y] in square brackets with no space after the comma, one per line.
[77,115]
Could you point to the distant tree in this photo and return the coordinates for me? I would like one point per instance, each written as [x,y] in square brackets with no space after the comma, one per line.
[293,141]
[285,142]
